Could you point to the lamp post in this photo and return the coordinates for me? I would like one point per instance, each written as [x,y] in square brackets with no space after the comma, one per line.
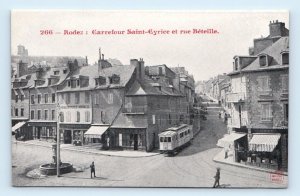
[58,144]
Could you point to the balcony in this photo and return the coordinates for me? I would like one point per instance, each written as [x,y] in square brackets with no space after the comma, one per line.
[135,110]
[235,97]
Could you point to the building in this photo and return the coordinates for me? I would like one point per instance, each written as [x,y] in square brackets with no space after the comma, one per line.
[117,107]
[259,101]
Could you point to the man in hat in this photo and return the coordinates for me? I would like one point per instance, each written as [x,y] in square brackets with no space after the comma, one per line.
[92,166]
[217,178]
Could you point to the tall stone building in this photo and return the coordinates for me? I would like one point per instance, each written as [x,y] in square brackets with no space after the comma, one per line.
[259,101]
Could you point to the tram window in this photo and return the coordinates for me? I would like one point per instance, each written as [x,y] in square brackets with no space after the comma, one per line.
[188,131]
[175,137]
[165,139]
[169,139]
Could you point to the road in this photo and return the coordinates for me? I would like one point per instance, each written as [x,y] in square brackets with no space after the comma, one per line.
[192,167]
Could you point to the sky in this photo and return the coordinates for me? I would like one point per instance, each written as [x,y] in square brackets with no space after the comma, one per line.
[203,55]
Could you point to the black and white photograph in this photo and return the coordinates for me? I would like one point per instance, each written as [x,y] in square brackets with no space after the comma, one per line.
[195,99]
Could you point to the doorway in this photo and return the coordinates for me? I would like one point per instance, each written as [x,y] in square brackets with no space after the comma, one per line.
[39,132]
[135,141]
[67,137]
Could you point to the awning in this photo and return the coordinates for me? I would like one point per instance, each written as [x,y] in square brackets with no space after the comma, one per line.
[18,126]
[264,142]
[228,139]
[95,131]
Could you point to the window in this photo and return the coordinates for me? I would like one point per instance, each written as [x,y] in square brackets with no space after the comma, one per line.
[120,139]
[16,112]
[236,64]
[68,98]
[110,98]
[46,98]
[39,115]
[65,71]
[56,72]
[169,139]
[285,82]
[22,97]
[61,117]
[87,97]
[96,99]
[97,81]
[77,97]
[78,116]
[78,83]
[32,114]
[69,83]
[266,112]
[263,60]
[53,114]
[22,111]
[161,139]
[286,111]
[68,116]
[102,113]
[170,121]
[263,83]
[285,58]
[32,99]
[153,119]
[17,98]
[39,98]
[53,97]
[87,116]
[46,115]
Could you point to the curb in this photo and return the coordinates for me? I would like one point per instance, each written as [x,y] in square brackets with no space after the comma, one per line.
[249,167]
[87,152]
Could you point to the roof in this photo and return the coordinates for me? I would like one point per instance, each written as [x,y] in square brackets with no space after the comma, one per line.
[274,51]
[130,121]
[149,87]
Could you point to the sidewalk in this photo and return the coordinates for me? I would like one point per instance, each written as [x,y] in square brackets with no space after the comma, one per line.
[92,149]
[220,158]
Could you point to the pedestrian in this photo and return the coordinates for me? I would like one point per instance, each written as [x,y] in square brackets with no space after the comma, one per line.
[217,178]
[92,166]
[226,151]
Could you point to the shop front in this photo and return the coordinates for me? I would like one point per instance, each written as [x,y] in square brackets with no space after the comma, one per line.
[264,151]
[234,144]
[43,130]
[128,138]
[97,135]
[73,133]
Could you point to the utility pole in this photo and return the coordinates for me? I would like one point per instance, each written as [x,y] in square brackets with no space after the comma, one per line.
[58,144]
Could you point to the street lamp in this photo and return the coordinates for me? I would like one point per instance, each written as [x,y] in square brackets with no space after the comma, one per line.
[58,144]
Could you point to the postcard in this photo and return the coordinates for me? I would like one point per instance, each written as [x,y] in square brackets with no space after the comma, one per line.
[150,98]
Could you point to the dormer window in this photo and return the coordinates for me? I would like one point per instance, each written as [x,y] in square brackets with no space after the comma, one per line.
[114,79]
[69,83]
[263,60]
[285,58]
[56,72]
[78,83]
[100,81]
[65,71]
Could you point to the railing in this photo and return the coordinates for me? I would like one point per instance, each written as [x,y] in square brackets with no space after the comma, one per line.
[135,109]
[235,97]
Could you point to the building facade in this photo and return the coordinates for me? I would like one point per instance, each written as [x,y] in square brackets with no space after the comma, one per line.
[259,101]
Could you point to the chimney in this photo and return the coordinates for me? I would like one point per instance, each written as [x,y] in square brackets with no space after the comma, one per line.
[277,29]
[86,61]
[22,69]
[139,67]
[99,53]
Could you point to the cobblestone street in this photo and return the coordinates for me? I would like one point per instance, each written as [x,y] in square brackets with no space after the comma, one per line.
[192,167]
